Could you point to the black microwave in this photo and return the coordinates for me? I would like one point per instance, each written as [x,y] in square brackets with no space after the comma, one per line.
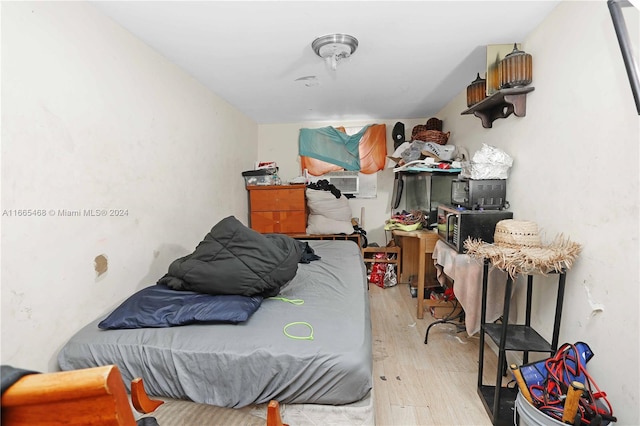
[479,193]
[456,224]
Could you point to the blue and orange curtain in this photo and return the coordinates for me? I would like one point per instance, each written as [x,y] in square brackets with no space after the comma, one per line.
[330,149]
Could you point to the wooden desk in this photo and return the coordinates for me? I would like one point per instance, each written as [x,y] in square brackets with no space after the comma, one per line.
[416,246]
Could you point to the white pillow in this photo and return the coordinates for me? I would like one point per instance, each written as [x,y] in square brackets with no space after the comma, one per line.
[326,204]
[328,214]
[319,224]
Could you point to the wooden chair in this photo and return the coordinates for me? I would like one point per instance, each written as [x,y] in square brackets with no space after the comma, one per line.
[140,400]
[91,396]
[273,414]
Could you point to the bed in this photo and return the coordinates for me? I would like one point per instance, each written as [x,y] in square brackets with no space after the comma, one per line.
[314,353]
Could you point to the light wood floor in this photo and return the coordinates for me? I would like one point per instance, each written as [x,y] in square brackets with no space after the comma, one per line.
[418,384]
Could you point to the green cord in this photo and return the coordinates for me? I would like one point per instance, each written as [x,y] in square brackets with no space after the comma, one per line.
[309,337]
[292,301]
[295,302]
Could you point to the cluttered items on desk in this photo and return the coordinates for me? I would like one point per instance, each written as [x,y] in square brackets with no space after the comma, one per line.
[407,221]
[464,206]
[476,206]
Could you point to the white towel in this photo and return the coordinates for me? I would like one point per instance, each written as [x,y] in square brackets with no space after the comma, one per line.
[466,273]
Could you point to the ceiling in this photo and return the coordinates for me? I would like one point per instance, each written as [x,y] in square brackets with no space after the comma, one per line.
[413,56]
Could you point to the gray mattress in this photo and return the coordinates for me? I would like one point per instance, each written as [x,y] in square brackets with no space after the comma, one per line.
[254,362]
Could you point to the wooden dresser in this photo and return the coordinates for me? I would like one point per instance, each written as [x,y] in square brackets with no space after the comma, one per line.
[278,209]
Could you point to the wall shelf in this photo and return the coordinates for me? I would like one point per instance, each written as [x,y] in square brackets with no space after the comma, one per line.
[501,104]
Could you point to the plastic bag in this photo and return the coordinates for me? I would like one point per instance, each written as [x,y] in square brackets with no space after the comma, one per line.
[492,155]
[487,163]
[390,278]
[413,152]
[383,274]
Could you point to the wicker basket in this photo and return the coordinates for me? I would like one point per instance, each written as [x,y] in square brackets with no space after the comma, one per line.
[418,131]
[434,136]
[434,124]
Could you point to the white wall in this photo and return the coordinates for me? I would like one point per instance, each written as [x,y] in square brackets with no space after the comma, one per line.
[92,118]
[575,172]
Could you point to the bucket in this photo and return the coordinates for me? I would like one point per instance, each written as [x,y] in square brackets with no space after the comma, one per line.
[526,414]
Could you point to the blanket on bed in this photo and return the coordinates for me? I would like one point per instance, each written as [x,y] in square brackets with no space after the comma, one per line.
[231,365]
[234,259]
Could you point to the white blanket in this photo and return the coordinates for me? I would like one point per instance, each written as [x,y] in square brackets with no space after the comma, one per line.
[466,273]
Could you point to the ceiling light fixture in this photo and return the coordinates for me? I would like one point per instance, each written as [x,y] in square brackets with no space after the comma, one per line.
[334,47]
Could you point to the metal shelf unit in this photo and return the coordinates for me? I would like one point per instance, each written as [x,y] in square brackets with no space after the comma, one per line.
[498,400]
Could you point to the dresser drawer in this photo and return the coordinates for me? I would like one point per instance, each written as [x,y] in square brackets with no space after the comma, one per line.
[278,209]
[277,200]
[279,222]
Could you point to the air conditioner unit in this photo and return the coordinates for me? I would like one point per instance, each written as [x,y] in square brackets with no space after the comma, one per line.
[346,182]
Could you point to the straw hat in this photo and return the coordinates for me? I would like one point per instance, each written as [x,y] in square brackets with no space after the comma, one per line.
[517,248]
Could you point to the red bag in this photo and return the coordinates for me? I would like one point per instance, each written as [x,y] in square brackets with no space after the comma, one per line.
[377,271]
[377,274]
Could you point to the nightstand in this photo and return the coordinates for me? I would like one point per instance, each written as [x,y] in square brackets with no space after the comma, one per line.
[277,209]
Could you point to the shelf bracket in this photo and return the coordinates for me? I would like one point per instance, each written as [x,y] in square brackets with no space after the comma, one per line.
[488,116]
[501,105]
